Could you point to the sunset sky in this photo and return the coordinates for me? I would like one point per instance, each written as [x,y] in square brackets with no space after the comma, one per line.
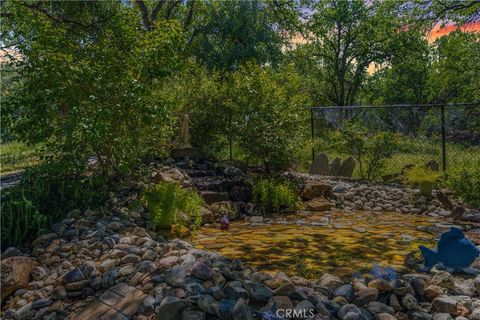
[439,31]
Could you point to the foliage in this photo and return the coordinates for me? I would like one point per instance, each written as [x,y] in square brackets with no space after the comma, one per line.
[42,197]
[419,174]
[89,94]
[168,201]
[370,150]
[455,66]
[241,31]
[275,196]
[346,38]
[465,182]
[268,117]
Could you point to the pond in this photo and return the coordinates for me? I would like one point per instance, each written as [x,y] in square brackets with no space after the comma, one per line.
[341,243]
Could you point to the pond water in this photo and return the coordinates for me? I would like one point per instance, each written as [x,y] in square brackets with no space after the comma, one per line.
[339,242]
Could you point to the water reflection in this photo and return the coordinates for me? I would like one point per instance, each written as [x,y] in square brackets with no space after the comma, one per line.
[339,242]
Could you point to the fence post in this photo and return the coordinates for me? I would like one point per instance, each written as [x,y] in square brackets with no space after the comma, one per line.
[444,150]
[313,134]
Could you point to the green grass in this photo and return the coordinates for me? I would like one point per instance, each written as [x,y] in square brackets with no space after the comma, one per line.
[412,152]
[16,156]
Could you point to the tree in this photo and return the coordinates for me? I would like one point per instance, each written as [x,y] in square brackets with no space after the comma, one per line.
[346,38]
[91,91]
[453,76]
[237,32]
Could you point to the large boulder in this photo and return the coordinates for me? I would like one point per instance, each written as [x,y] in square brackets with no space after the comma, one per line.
[315,189]
[15,274]
[320,165]
[347,167]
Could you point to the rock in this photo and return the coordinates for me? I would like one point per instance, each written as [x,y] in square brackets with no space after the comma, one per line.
[88,269]
[432,291]
[59,293]
[385,316]
[73,276]
[166,263]
[126,270]
[365,296]
[44,239]
[241,311]
[444,304]
[23,311]
[376,307]
[11,252]
[147,306]
[201,271]
[235,292]
[15,274]
[185,152]
[205,303]
[305,309]
[38,273]
[442,316]
[225,208]
[109,278]
[381,285]
[350,311]
[213,196]
[285,289]
[320,165]
[171,308]
[330,281]
[318,204]
[443,279]
[76,286]
[315,189]
[146,267]
[410,303]
[334,168]
[130,258]
[259,292]
[189,314]
[280,302]
[345,291]
[41,303]
[347,167]
[176,276]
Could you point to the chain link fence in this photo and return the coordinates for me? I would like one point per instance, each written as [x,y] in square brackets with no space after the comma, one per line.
[443,137]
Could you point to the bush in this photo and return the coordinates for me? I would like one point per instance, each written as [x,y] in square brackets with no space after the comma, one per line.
[370,150]
[268,117]
[418,175]
[465,183]
[167,202]
[42,198]
[275,196]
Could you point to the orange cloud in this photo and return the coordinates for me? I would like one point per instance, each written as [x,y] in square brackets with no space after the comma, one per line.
[439,31]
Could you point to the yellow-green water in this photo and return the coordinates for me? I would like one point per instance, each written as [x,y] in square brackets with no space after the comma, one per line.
[343,244]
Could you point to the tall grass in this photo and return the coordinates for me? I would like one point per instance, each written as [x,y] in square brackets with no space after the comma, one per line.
[41,198]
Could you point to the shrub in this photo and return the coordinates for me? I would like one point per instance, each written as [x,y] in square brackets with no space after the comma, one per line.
[417,175]
[268,120]
[370,150]
[275,196]
[465,183]
[41,198]
[167,201]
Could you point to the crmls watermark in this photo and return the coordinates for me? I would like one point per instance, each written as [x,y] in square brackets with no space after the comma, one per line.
[295,314]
